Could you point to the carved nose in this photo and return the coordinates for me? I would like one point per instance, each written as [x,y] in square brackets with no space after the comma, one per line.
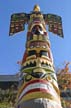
[38,74]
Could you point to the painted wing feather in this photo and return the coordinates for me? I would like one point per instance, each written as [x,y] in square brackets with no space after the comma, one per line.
[54,23]
[17,23]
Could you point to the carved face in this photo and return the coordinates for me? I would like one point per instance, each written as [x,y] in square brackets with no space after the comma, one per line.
[38,84]
[36,22]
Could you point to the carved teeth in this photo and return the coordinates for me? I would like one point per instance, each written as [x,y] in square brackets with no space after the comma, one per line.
[37,63]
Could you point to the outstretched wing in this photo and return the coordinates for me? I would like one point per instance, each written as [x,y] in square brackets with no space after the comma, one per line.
[17,23]
[54,24]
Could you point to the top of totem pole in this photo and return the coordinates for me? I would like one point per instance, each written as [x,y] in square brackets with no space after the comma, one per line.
[18,21]
[36,8]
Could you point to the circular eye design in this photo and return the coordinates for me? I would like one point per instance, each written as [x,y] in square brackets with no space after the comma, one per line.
[49,78]
[28,77]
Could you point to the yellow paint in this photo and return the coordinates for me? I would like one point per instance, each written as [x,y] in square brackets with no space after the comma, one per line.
[31,57]
[39,95]
[56,89]
[36,8]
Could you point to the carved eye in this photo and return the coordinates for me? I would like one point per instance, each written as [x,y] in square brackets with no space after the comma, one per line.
[30,53]
[43,53]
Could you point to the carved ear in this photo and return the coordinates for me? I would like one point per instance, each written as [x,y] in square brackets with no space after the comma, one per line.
[54,23]
[17,23]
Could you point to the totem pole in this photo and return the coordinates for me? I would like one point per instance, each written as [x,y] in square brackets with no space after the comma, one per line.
[38,86]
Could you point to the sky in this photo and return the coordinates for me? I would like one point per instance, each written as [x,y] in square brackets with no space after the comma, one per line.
[12,48]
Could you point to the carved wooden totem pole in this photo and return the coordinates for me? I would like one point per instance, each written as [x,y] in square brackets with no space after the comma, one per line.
[38,83]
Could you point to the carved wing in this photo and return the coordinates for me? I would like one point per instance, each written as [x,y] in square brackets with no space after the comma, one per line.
[17,22]
[54,23]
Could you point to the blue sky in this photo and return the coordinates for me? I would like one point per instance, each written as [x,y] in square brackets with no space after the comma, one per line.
[12,48]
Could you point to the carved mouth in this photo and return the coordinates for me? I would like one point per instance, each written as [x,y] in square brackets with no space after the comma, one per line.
[37,86]
[33,63]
